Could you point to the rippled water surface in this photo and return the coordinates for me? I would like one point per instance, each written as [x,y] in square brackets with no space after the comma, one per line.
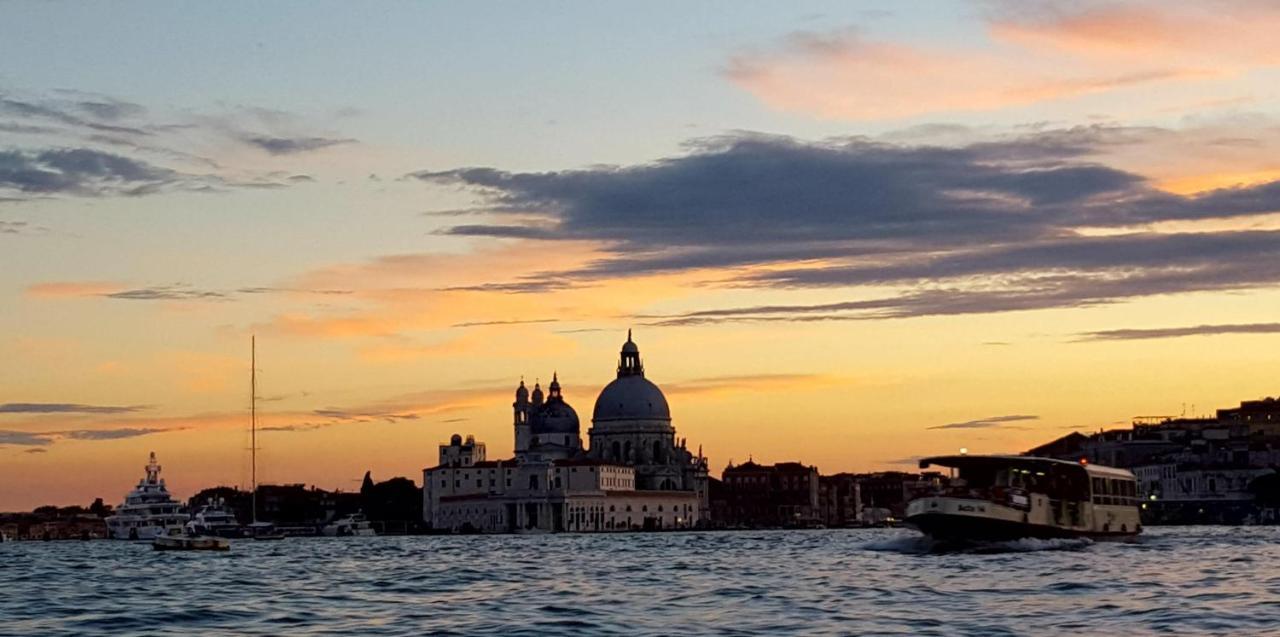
[1196,580]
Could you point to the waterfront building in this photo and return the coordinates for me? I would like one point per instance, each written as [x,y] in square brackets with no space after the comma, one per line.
[840,500]
[785,494]
[635,474]
[1189,469]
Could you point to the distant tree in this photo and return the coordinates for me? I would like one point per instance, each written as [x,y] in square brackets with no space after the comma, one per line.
[99,508]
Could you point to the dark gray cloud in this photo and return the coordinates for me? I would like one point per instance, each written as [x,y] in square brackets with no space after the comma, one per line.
[294,145]
[91,114]
[80,171]
[67,408]
[42,439]
[363,415]
[1179,332]
[987,423]
[76,129]
[23,438]
[168,293]
[521,286]
[306,426]
[278,290]
[508,322]
[111,434]
[37,450]
[987,227]
[337,416]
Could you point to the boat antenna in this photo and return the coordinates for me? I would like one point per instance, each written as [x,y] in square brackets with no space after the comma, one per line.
[253,422]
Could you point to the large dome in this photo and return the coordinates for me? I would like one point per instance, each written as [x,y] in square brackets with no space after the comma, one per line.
[631,398]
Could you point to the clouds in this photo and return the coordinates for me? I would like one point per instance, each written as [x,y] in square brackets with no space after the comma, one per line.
[1131,334]
[89,145]
[81,172]
[67,408]
[167,293]
[164,292]
[43,439]
[1034,52]
[1012,224]
[294,145]
[993,422]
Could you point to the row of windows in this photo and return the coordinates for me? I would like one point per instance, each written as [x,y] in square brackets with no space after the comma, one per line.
[1111,486]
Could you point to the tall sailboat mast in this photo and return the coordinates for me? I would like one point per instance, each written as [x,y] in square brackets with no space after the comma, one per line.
[253,420]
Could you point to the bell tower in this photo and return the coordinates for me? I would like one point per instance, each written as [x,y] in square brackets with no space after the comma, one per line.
[521,418]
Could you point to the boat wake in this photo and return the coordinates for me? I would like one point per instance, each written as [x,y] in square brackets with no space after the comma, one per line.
[923,545]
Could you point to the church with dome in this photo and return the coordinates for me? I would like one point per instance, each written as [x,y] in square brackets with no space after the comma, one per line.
[635,474]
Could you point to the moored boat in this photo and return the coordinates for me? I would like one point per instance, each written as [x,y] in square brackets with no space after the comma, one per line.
[215,518]
[148,511]
[182,542]
[996,498]
[354,525]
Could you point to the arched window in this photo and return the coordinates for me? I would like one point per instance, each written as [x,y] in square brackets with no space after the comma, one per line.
[533,483]
[657,451]
[626,450]
[617,451]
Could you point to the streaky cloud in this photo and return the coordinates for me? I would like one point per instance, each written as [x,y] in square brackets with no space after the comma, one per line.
[67,408]
[294,145]
[987,423]
[1132,334]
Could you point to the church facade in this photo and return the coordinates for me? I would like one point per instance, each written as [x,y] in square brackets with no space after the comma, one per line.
[636,474]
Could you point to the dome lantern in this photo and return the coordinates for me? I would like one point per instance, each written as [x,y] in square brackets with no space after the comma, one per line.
[629,363]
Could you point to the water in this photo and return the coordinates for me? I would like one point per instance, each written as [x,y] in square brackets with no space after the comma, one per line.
[1191,580]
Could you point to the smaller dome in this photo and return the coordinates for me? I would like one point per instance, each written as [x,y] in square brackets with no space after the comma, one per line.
[522,392]
[455,440]
[554,417]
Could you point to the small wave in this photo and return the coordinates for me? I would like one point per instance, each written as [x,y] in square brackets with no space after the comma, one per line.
[1031,545]
[910,544]
[917,545]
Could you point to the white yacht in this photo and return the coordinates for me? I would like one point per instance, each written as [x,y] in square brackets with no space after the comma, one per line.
[214,518]
[350,525]
[148,510]
[993,498]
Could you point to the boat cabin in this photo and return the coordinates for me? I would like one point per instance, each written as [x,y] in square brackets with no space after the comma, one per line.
[999,478]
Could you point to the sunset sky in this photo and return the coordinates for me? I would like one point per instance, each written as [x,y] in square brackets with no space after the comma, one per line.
[845,233]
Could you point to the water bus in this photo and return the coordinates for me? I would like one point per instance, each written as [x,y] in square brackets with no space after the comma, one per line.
[995,498]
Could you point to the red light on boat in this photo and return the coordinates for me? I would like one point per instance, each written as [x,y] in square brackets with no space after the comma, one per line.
[1084,461]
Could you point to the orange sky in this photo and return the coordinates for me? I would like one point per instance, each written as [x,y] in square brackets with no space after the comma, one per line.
[849,240]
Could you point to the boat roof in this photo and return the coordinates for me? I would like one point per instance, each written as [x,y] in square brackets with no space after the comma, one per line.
[962,461]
